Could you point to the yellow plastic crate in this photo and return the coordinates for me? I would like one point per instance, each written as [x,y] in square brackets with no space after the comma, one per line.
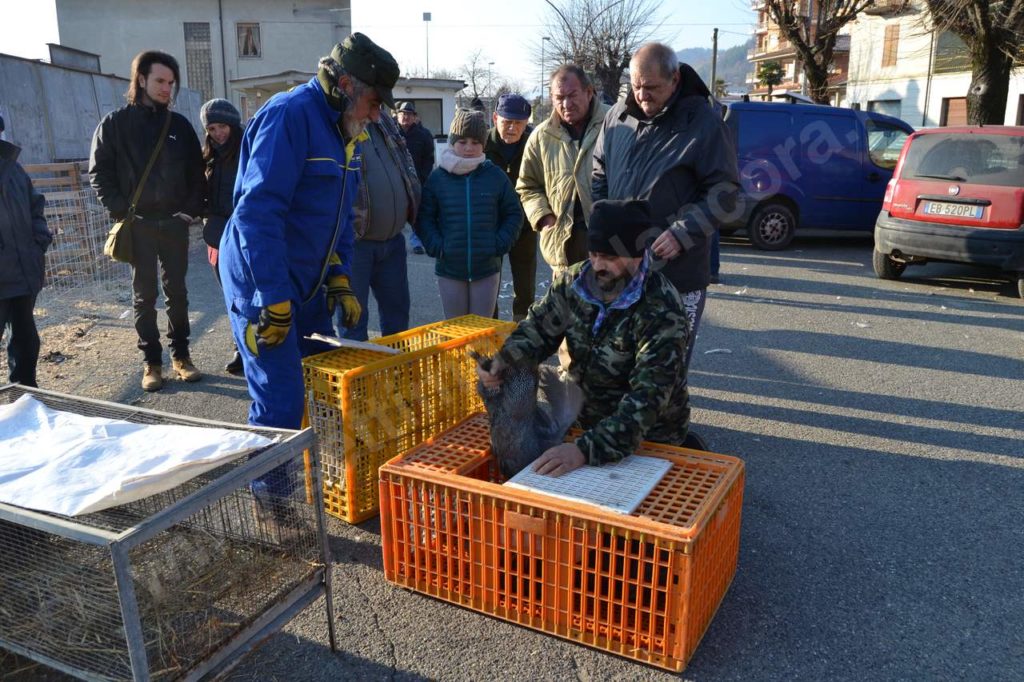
[367,407]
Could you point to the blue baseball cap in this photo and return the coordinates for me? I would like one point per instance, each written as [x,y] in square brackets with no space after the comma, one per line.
[514,107]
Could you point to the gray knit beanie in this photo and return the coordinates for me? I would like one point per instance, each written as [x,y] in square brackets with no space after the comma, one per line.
[468,123]
[220,111]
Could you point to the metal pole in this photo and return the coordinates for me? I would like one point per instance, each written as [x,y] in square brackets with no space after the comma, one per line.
[426,30]
[928,81]
[714,64]
[542,41]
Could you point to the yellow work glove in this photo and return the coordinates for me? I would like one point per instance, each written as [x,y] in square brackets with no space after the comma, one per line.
[272,328]
[339,292]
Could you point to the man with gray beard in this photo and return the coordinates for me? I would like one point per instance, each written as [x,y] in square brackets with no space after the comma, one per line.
[286,254]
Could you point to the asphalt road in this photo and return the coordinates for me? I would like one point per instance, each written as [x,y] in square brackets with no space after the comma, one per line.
[882,427]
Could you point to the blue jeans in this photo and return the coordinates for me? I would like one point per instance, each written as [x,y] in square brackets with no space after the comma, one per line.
[379,267]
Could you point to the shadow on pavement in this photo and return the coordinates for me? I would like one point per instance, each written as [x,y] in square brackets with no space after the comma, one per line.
[856,564]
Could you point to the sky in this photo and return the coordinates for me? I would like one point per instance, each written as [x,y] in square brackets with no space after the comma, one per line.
[506,31]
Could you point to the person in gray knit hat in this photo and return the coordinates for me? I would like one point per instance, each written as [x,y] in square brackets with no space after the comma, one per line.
[469,218]
[220,111]
[223,126]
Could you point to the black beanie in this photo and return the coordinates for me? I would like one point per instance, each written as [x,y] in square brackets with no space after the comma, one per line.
[617,227]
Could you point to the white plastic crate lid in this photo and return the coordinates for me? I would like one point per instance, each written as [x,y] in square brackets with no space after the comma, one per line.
[619,487]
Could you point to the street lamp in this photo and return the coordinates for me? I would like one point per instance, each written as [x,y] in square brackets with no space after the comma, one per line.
[489,87]
[543,40]
[426,30]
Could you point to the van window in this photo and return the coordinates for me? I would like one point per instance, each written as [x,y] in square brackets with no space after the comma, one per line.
[977,159]
[885,141]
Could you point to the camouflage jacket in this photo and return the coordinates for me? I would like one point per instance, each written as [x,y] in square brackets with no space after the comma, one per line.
[631,369]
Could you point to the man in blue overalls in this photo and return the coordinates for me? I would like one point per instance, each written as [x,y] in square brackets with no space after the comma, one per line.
[286,254]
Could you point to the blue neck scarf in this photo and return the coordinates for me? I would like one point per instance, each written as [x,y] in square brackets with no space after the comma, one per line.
[629,295]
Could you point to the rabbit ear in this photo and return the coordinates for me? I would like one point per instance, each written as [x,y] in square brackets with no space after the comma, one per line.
[563,396]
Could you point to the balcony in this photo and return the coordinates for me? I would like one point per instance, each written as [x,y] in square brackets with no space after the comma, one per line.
[888,8]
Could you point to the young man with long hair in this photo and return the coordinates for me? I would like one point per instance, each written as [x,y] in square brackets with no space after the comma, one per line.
[170,200]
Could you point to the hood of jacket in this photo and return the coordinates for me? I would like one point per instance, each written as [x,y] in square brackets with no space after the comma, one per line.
[690,86]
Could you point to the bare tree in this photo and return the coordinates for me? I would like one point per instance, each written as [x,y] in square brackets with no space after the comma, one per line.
[477,74]
[812,26]
[504,86]
[993,31]
[600,35]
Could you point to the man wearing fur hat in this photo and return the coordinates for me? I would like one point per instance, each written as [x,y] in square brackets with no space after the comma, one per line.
[626,332]
[286,255]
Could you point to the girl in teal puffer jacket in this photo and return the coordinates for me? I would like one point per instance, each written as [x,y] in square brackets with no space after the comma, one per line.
[469,218]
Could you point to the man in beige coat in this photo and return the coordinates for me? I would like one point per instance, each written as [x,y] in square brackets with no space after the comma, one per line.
[554,180]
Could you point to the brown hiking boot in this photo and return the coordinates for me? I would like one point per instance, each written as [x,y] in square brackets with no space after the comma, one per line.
[152,377]
[186,370]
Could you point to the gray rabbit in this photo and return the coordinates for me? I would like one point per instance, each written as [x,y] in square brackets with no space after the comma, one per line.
[523,426]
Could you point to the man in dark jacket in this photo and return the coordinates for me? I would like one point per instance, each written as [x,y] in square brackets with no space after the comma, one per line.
[666,144]
[421,148]
[504,148]
[24,238]
[171,199]
[389,196]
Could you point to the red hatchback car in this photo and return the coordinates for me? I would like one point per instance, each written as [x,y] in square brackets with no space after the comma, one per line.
[957,195]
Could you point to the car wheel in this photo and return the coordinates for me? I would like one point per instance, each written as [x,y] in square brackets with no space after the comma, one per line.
[1020,284]
[772,227]
[885,267]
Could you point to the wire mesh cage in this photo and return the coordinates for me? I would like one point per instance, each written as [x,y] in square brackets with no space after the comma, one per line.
[75,260]
[176,585]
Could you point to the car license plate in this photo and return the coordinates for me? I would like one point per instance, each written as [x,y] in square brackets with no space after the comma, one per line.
[945,208]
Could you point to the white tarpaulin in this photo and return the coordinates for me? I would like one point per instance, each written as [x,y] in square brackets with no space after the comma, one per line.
[71,464]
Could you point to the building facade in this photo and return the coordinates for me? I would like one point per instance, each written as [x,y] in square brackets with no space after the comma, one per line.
[771,45]
[51,110]
[901,65]
[236,49]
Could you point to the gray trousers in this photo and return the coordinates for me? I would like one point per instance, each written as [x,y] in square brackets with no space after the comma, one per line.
[459,297]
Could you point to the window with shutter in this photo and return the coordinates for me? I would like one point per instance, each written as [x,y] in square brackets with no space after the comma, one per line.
[891,45]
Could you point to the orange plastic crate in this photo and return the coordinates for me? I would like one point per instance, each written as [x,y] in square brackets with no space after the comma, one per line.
[644,586]
[366,407]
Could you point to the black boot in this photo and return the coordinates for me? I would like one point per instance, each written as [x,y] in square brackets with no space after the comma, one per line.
[235,366]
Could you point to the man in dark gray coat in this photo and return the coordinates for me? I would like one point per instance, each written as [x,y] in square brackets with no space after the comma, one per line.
[666,143]
[24,239]
[389,197]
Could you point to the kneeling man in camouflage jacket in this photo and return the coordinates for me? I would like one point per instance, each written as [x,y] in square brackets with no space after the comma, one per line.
[626,331]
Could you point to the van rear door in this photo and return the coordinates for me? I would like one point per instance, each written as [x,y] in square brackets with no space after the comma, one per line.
[833,164]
